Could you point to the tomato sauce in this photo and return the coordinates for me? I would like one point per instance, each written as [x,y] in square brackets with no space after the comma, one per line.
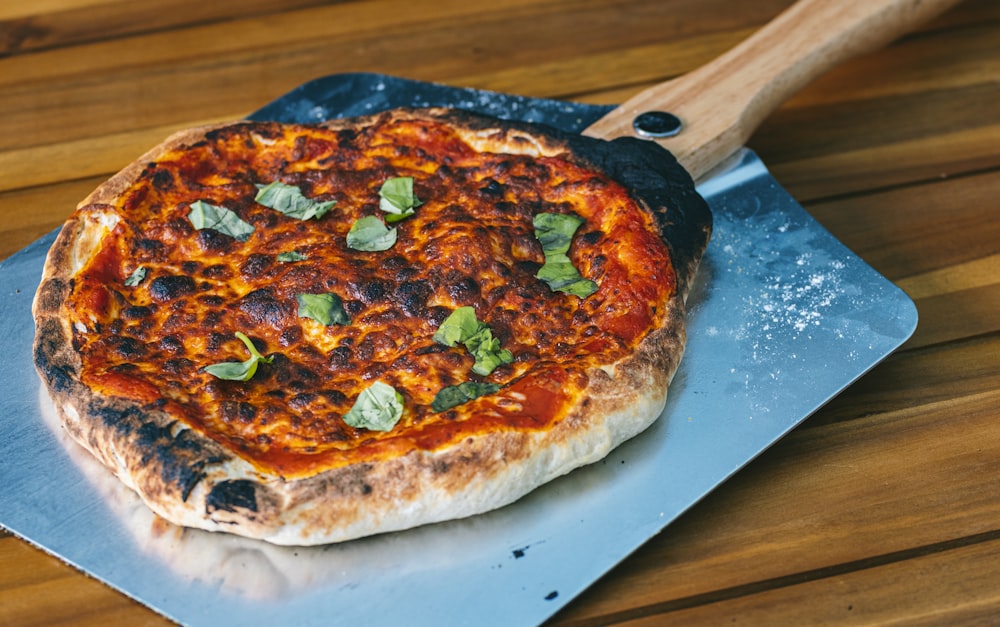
[470,242]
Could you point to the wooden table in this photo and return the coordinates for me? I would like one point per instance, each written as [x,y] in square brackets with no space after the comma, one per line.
[885,505]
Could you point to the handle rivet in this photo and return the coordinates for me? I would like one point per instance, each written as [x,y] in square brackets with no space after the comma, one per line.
[656,124]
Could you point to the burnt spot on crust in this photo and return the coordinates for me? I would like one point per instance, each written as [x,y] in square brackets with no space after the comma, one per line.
[263,307]
[237,411]
[215,341]
[126,347]
[153,248]
[178,365]
[652,174]
[301,401]
[492,188]
[217,271]
[52,358]
[136,312]
[340,357]
[163,180]
[591,238]
[290,336]
[395,263]
[255,265]
[291,376]
[213,241]
[411,297]
[51,294]
[166,288]
[373,291]
[351,481]
[463,288]
[232,496]
[179,459]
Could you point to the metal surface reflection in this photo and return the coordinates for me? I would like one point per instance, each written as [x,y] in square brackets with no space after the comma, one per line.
[782,318]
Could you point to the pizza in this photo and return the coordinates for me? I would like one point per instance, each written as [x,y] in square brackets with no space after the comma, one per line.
[313,333]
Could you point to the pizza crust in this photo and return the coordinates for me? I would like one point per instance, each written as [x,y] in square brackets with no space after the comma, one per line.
[192,481]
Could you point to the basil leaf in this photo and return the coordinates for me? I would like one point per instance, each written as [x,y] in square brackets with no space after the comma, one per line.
[290,201]
[455,395]
[378,407]
[463,327]
[291,256]
[207,216]
[369,234]
[459,326]
[561,276]
[554,231]
[397,199]
[136,277]
[239,370]
[324,308]
[486,349]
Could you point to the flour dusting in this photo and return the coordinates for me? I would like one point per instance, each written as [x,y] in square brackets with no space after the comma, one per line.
[787,299]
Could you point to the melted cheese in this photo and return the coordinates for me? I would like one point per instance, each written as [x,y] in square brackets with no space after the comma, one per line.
[471,243]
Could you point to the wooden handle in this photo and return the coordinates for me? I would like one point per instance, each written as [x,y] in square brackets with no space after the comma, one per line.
[722,103]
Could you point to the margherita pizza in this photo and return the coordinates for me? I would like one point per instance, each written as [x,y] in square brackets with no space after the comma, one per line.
[312,333]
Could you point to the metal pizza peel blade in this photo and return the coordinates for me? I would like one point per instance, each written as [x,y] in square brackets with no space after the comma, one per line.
[782,318]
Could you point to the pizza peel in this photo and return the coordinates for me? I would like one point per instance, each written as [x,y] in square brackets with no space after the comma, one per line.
[782,318]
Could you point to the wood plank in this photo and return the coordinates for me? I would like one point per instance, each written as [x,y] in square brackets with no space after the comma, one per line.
[369,22]
[66,595]
[915,377]
[23,167]
[950,585]
[958,315]
[924,159]
[867,75]
[825,496]
[75,159]
[585,73]
[823,141]
[10,10]
[958,277]
[942,59]
[58,23]
[33,212]
[553,78]
[180,70]
[899,231]
[959,58]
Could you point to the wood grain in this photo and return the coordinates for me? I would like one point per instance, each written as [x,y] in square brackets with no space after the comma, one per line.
[720,104]
[882,507]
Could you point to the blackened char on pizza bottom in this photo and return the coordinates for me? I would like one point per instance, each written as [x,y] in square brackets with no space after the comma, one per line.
[140,298]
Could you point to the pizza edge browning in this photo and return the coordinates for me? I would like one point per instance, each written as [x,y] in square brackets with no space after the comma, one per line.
[193,481]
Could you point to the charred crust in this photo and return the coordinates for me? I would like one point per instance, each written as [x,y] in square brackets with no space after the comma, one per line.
[411,297]
[163,180]
[263,307]
[179,461]
[255,265]
[232,496]
[59,372]
[213,241]
[167,288]
[664,187]
[51,294]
